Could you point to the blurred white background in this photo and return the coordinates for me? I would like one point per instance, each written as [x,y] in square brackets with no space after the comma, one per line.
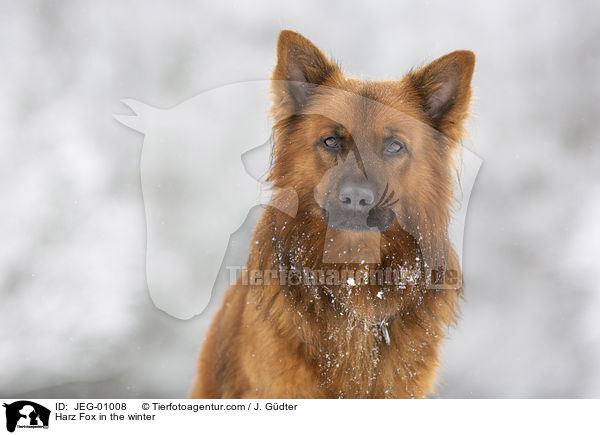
[75,315]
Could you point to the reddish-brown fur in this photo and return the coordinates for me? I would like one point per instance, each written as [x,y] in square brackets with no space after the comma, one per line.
[298,341]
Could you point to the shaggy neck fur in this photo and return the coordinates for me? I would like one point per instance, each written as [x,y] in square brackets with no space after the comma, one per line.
[337,325]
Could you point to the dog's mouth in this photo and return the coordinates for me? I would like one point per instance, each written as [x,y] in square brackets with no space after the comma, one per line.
[379,218]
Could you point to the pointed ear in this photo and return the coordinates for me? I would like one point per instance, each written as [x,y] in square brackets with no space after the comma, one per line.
[300,67]
[445,88]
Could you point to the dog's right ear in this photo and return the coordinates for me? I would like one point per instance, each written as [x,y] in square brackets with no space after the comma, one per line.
[301,67]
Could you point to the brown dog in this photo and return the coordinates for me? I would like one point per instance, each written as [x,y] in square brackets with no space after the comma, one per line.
[352,296]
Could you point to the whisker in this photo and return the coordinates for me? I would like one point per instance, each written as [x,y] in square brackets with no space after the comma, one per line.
[382,198]
[386,201]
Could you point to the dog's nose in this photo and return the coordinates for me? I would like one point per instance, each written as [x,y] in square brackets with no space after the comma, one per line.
[356,197]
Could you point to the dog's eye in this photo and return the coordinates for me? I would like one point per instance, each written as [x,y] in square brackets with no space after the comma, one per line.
[331,142]
[395,147]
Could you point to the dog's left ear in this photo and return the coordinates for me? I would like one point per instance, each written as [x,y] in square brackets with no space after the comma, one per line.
[301,67]
[445,88]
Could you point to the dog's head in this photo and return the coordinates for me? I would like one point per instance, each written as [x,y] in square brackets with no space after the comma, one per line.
[365,156]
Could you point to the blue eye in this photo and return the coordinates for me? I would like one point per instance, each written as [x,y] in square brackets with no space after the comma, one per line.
[395,147]
[331,142]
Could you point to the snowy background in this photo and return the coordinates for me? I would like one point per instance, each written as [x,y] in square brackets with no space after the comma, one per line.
[76,319]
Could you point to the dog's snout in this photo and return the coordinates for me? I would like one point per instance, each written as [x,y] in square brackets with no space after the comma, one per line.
[356,197]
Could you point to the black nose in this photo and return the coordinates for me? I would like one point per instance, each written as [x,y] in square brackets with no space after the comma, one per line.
[356,197]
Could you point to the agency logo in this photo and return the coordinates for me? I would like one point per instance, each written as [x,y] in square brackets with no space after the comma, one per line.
[205,167]
[24,414]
